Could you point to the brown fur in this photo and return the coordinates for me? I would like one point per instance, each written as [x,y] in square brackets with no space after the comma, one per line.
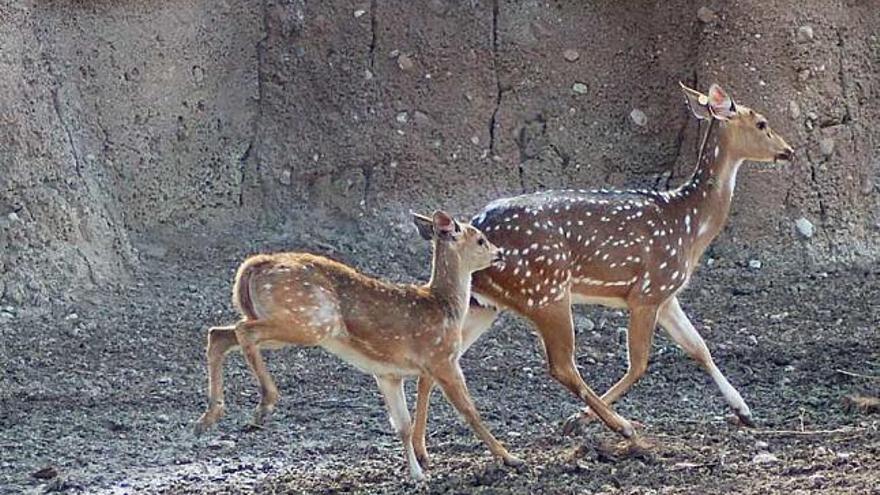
[632,249]
[388,330]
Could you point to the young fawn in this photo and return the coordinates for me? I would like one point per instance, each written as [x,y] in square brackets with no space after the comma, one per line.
[390,331]
[633,249]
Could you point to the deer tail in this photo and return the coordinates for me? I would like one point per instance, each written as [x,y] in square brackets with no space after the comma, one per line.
[241,292]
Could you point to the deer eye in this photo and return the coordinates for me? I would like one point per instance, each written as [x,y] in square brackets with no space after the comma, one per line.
[481,242]
[761,125]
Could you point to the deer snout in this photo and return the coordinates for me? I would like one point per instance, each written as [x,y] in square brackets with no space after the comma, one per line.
[498,257]
[786,155]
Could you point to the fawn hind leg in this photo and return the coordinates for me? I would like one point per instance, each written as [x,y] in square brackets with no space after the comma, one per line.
[251,334]
[221,340]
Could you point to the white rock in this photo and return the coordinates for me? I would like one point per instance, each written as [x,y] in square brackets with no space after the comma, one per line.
[579,88]
[765,458]
[805,227]
[826,146]
[805,33]
[638,117]
[755,264]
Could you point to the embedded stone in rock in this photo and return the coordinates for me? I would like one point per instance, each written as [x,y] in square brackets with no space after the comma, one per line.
[805,33]
[638,117]
[755,264]
[571,55]
[805,227]
[404,62]
[579,88]
[706,15]
[794,109]
[765,458]
[826,146]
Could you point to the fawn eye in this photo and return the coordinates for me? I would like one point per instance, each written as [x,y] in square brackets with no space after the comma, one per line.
[482,241]
[761,125]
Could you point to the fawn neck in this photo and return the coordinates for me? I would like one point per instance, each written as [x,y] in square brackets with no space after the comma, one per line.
[450,283]
[708,194]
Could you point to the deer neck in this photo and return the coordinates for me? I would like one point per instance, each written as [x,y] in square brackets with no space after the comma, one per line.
[707,196]
[450,284]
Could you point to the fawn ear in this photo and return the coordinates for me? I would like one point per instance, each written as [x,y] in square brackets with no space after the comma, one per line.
[445,226]
[424,225]
[697,102]
[720,103]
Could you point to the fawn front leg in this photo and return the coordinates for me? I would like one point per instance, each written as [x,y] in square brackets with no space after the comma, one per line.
[392,389]
[452,382]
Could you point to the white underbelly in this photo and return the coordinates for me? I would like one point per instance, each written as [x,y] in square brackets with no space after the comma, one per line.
[611,302]
[364,363]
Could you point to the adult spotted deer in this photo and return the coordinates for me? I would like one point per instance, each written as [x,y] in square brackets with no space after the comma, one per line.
[626,249]
[388,330]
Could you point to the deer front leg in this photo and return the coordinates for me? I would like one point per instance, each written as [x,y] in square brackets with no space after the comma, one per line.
[639,337]
[452,382]
[392,390]
[220,341]
[426,386]
[556,329]
[674,320]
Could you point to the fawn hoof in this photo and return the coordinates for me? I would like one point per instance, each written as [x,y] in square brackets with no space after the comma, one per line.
[417,475]
[206,421]
[574,424]
[262,414]
[513,461]
[423,460]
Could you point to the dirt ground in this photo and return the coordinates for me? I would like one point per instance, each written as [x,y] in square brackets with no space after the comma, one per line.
[106,392]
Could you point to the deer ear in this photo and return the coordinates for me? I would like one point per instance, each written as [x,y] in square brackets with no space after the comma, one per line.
[424,225]
[697,102]
[445,226]
[720,103]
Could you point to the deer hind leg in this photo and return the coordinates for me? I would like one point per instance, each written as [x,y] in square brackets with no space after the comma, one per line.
[676,323]
[451,381]
[250,334]
[425,387]
[556,329]
[639,337]
[477,321]
[220,341]
[392,389]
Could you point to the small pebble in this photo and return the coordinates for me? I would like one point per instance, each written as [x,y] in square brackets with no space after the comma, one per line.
[579,88]
[764,458]
[706,15]
[826,146]
[638,117]
[404,62]
[755,264]
[805,33]
[571,55]
[804,227]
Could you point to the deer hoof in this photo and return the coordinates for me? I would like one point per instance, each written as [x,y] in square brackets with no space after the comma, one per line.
[744,419]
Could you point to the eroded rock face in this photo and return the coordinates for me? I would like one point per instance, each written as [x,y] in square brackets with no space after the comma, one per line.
[121,119]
